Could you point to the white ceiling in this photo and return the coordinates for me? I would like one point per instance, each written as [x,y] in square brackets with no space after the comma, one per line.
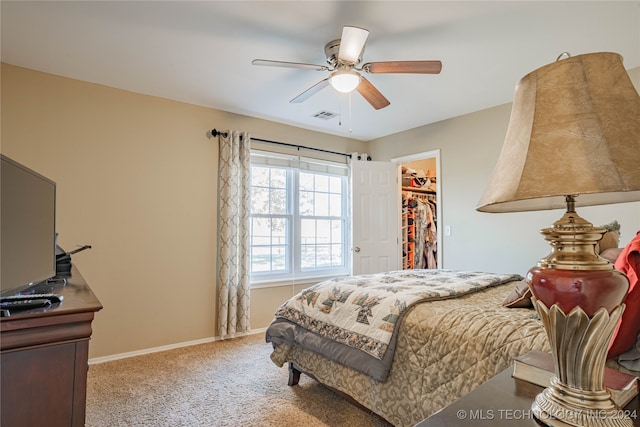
[200,52]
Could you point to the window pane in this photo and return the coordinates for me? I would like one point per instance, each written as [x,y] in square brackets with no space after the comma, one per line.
[259,200]
[278,201]
[279,259]
[260,259]
[322,183]
[268,190]
[279,231]
[260,240]
[335,205]
[278,178]
[335,184]
[323,256]
[308,257]
[260,231]
[306,181]
[269,245]
[265,259]
[308,231]
[321,204]
[336,255]
[336,231]
[306,203]
[321,244]
[323,231]
[260,176]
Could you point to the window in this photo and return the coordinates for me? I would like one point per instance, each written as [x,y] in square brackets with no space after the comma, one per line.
[299,222]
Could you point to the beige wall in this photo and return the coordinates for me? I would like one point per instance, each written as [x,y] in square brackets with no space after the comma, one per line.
[136,179]
[470,146]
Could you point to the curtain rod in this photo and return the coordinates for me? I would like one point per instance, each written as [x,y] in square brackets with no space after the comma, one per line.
[216,132]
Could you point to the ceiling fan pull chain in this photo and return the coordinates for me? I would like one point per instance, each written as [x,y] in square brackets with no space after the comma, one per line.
[349,112]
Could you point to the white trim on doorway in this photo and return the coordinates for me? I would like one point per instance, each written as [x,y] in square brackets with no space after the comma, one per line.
[429,155]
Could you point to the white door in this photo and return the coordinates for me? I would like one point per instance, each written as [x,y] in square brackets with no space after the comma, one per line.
[375,219]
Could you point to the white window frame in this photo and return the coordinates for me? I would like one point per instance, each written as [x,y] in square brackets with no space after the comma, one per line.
[294,165]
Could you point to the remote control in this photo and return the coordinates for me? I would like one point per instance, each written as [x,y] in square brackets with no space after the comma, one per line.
[24,304]
[51,297]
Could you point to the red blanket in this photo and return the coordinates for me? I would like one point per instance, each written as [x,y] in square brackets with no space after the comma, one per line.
[627,332]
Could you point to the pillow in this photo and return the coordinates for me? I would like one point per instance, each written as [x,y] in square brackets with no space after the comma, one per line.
[611,254]
[519,297]
[609,240]
[628,328]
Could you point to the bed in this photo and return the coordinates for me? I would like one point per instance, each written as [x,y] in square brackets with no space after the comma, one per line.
[443,343]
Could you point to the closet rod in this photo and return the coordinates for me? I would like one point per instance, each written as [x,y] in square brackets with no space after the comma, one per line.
[216,132]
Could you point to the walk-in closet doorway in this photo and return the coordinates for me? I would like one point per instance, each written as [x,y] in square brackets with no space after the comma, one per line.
[421,210]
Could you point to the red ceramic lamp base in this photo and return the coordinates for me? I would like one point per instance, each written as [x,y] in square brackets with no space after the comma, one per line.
[587,289]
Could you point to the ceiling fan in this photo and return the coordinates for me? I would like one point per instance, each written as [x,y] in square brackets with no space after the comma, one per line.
[344,56]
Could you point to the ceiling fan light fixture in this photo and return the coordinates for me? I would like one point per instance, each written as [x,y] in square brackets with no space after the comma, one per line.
[345,81]
[351,44]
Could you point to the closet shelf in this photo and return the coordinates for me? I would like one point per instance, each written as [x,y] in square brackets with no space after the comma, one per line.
[418,190]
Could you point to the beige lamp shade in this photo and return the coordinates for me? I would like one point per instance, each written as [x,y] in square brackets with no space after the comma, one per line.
[574,130]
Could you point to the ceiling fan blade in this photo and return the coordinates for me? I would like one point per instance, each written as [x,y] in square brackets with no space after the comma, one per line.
[410,67]
[371,94]
[270,63]
[311,91]
[351,44]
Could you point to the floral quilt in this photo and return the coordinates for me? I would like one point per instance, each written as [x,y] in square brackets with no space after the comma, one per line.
[362,311]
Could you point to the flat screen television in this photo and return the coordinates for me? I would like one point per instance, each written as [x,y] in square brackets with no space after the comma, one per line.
[27,227]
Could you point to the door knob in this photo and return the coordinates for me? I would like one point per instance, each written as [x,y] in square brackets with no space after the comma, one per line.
[356,249]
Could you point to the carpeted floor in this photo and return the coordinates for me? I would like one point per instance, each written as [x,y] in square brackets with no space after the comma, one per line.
[224,383]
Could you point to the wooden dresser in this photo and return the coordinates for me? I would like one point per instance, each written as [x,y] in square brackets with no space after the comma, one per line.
[44,358]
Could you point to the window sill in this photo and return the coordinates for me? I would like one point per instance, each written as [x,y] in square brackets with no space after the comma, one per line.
[292,282]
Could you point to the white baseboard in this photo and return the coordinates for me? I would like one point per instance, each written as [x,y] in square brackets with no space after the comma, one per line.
[103,359]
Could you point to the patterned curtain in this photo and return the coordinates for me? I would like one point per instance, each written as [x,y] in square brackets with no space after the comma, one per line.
[233,233]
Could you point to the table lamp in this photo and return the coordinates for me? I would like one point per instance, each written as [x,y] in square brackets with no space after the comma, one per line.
[573,140]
